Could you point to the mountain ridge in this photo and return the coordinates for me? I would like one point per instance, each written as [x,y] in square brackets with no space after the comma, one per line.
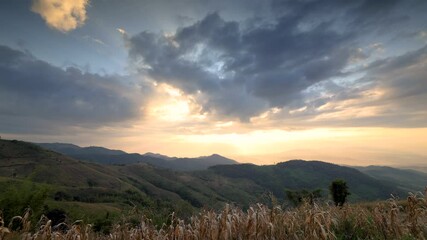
[107,156]
[292,175]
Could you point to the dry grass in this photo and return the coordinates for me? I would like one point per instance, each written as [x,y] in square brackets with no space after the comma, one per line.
[385,220]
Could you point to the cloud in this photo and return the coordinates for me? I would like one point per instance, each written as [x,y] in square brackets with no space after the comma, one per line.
[304,57]
[391,93]
[403,80]
[121,31]
[37,96]
[62,15]
[242,72]
[95,40]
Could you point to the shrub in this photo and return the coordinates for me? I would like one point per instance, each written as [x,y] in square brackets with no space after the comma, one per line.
[339,192]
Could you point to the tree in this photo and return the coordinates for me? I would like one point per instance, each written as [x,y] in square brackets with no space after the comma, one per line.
[339,191]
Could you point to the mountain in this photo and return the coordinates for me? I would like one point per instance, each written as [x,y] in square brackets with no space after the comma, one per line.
[22,160]
[158,155]
[71,149]
[188,164]
[407,179]
[300,174]
[106,156]
[216,159]
[159,191]
[418,168]
[294,174]
[80,187]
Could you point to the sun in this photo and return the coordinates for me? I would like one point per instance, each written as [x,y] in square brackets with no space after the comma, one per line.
[171,105]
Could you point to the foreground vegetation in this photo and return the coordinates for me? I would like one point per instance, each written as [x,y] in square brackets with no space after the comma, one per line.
[391,219]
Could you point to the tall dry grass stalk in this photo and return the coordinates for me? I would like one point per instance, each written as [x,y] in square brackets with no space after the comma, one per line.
[391,219]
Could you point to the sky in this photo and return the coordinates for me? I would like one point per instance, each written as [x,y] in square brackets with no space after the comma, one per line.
[256,81]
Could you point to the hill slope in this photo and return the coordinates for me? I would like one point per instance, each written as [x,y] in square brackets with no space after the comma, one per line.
[27,161]
[299,174]
[406,179]
[159,191]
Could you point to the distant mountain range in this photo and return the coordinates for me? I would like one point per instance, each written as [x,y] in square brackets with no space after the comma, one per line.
[292,173]
[140,180]
[406,179]
[107,156]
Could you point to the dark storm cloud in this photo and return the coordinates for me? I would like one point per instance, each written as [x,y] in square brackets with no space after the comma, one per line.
[241,69]
[45,96]
[404,80]
[182,67]
[401,82]
[264,67]
[359,14]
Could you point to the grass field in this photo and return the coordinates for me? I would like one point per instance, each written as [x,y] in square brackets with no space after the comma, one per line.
[392,219]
